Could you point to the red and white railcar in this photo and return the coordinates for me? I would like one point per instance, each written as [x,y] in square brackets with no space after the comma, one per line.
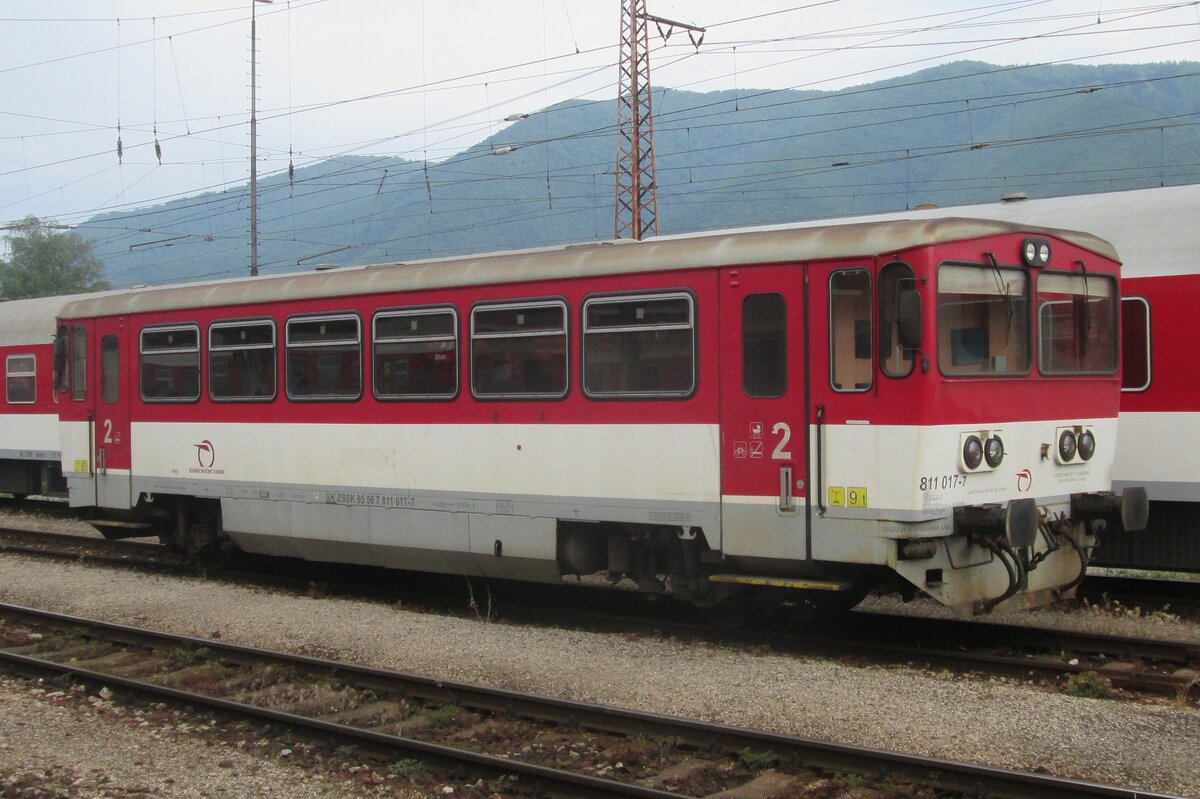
[1156,233]
[756,414]
[29,450]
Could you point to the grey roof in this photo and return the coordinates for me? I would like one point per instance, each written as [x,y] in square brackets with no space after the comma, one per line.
[780,244]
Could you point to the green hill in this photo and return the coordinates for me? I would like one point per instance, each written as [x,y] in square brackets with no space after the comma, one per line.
[959,133]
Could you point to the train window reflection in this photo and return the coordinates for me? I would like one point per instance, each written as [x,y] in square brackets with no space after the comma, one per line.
[241,361]
[1077,323]
[416,354]
[1135,344]
[639,346]
[519,350]
[170,364]
[850,359]
[20,387]
[324,358]
[764,345]
[982,320]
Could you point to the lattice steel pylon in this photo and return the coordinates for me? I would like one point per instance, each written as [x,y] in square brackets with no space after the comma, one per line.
[637,186]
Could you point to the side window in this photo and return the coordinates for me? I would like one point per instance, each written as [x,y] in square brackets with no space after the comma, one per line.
[78,363]
[241,360]
[519,350]
[324,358]
[1135,344]
[20,384]
[894,360]
[110,367]
[415,354]
[62,378]
[170,363]
[764,345]
[639,346]
[850,360]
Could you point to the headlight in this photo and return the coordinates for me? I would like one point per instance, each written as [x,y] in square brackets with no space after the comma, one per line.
[1067,446]
[993,451]
[972,452]
[1035,252]
[1087,445]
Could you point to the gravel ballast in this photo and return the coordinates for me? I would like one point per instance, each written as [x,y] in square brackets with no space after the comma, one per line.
[1151,745]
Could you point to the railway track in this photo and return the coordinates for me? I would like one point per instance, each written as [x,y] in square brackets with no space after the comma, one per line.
[528,744]
[1080,662]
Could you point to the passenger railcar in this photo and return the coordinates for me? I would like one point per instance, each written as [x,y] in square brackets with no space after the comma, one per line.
[30,457]
[732,418]
[1158,443]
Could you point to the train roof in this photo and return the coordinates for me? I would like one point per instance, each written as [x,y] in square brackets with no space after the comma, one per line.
[25,322]
[1155,230]
[774,245]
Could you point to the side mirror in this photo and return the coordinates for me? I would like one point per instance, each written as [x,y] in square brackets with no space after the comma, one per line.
[908,318]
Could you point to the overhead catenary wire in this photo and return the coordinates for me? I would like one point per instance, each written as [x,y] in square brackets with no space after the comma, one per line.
[490,103]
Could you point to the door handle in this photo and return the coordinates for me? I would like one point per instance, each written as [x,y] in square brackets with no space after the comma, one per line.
[787,499]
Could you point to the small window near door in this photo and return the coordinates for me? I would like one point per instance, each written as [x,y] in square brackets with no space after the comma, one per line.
[78,363]
[895,359]
[1135,344]
[764,345]
[850,361]
[110,384]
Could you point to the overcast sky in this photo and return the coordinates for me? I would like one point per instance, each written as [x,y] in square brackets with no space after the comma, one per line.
[428,78]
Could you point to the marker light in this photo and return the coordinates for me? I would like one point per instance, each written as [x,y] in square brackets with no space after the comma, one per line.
[1067,446]
[993,451]
[1087,445]
[972,452]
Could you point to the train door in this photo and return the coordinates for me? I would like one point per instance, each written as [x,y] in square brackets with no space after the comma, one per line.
[110,409]
[764,481]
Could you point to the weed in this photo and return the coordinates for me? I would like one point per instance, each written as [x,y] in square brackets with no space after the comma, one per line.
[1088,684]
[408,767]
[442,716]
[483,614]
[758,761]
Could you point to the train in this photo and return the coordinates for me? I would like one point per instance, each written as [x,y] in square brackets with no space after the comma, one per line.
[1158,441]
[788,416]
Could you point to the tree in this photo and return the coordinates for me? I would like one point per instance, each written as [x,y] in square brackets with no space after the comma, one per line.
[43,261]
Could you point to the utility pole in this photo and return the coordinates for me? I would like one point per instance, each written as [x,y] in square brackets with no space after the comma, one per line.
[254,139]
[637,187]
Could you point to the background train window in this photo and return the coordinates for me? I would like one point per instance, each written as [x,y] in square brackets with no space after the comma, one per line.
[170,364]
[324,358]
[1135,344]
[241,360]
[110,367]
[1077,323]
[20,384]
[415,354]
[519,350]
[851,364]
[982,320]
[78,362]
[894,360]
[764,345]
[639,346]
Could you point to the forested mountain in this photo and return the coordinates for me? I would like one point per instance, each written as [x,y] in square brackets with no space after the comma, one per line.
[959,133]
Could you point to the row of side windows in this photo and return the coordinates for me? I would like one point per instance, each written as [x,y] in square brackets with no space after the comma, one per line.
[633,346]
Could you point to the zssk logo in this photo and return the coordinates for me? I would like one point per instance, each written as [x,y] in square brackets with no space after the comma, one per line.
[1024,480]
[205,454]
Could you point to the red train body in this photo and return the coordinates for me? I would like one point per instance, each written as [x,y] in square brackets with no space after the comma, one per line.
[800,413]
